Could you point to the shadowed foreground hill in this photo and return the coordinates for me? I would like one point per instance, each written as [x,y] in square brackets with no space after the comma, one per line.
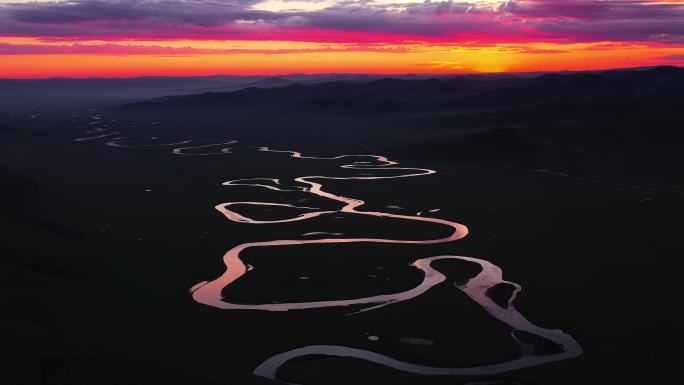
[624,124]
[5,129]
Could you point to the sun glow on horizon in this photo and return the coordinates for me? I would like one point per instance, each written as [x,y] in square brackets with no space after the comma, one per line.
[332,58]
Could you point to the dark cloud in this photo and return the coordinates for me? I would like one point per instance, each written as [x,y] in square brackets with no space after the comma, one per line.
[521,20]
[197,12]
[619,20]
[593,10]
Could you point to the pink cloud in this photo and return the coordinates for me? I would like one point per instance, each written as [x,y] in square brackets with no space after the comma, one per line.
[132,49]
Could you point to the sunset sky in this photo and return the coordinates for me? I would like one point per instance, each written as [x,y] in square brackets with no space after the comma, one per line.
[84,38]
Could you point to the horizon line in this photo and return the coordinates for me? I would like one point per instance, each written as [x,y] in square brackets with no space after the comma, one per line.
[434,74]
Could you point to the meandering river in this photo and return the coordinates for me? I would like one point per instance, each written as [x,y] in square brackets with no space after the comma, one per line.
[374,167]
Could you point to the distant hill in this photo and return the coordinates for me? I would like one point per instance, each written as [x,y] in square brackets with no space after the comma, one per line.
[271,82]
[663,84]
[60,93]
[347,97]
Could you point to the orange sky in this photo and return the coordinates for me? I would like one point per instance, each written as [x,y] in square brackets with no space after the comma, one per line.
[287,57]
[144,37]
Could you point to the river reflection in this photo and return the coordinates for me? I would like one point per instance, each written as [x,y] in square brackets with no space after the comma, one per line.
[368,167]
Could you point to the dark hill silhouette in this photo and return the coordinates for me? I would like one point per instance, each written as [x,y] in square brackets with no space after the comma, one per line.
[662,84]
[274,81]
